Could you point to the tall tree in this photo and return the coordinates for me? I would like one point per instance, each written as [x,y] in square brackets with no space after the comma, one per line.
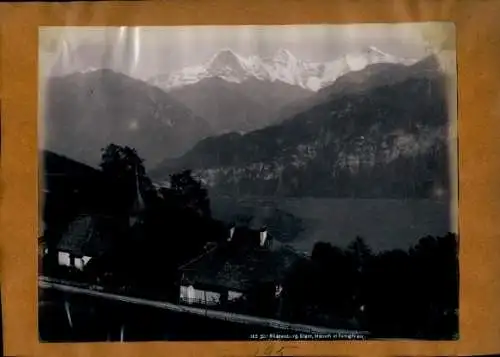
[360,252]
[126,176]
[190,193]
[128,192]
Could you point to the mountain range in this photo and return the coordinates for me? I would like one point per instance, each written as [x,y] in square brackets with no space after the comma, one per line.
[367,124]
[87,110]
[378,132]
[283,67]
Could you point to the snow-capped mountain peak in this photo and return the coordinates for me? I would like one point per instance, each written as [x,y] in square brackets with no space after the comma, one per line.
[89,70]
[283,56]
[282,66]
[225,57]
[227,65]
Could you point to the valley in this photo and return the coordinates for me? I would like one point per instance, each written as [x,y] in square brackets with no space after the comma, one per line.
[366,155]
[166,116]
[389,140]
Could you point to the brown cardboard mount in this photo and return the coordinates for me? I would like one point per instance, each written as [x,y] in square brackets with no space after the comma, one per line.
[478,51]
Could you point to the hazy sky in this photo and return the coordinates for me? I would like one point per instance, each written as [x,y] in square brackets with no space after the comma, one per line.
[147,51]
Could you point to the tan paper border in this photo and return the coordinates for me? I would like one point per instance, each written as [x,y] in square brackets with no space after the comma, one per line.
[478,47]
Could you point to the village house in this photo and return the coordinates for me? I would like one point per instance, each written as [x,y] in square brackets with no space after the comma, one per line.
[229,271]
[68,187]
[87,237]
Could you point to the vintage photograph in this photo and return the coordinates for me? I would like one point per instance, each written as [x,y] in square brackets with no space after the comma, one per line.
[292,182]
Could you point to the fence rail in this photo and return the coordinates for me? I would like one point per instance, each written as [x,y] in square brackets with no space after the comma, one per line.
[69,287]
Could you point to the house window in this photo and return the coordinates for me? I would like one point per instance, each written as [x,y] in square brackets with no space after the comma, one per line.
[212,298]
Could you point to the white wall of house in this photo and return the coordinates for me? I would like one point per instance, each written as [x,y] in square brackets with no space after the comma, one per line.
[263,237]
[79,263]
[63,259]
[233,295]
[187,293]
[191,295]
[231,233]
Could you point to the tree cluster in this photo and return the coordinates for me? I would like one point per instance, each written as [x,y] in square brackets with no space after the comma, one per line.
[173,226]
[407,294]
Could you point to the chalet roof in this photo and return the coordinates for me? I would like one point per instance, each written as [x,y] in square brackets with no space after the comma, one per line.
[68,185]
[239,269]
[87,235]
[58,164]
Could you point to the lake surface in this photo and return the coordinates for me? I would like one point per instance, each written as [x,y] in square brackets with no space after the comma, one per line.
[384,224]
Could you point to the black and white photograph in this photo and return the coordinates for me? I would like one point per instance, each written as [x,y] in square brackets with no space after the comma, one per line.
[245,183]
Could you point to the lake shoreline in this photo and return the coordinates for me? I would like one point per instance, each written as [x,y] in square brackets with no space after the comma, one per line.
[384,223]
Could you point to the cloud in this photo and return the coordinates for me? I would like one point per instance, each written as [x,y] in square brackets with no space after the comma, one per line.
[146,51]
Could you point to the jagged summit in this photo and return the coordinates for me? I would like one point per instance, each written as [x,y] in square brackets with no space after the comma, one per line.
[283,56]
[226,64]
[224,57]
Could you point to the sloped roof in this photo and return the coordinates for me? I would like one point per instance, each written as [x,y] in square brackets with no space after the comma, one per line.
[68,186]
[57,170]
[239,269]
[56,163]
[87,235]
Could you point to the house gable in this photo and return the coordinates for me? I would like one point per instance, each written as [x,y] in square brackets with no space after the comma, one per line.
[87,237]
